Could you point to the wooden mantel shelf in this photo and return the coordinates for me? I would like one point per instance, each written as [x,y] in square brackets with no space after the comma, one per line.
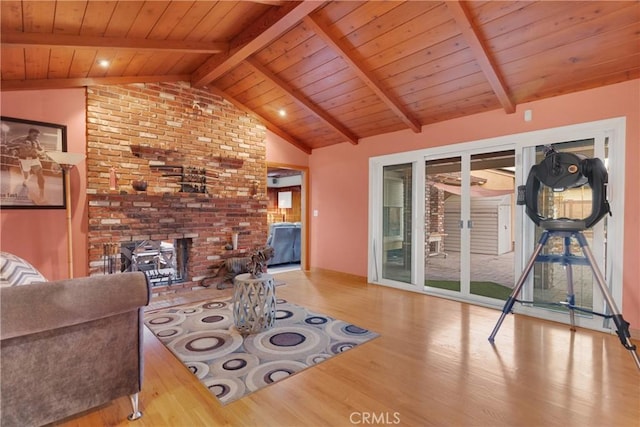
[143,196]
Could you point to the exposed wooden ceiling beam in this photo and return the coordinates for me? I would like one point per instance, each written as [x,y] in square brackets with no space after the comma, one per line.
[270,2]
[273,128]
[271,25]
[471,34]
[8,85]
[120,43]
[365,75]
[301,100]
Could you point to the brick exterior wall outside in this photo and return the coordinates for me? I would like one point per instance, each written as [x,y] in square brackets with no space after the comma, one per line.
[134,131]
[434,214]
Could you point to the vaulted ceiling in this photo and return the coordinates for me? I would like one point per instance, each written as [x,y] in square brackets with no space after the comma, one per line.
[322,73]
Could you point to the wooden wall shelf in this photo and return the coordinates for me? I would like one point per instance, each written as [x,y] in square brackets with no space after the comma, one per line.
[229,162]
[153,153]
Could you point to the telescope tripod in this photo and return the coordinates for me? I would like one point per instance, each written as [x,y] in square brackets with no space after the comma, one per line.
[568,259]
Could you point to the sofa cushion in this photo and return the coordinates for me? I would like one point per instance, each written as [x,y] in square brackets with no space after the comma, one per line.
[16,271]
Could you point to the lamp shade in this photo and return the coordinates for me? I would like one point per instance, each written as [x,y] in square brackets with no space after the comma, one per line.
[64,158]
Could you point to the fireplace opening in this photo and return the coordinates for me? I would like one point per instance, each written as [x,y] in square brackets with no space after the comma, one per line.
[164,262]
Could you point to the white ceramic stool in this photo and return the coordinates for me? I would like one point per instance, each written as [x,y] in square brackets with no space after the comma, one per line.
[254,303]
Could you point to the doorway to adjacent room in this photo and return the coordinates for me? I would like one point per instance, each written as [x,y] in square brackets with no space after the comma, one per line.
[286,217]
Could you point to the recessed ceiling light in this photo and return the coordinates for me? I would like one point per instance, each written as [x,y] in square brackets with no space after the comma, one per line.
[282,112]
[103,63]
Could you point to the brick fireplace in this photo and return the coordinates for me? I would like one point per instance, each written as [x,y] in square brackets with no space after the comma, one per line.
[167,134]
[165,262]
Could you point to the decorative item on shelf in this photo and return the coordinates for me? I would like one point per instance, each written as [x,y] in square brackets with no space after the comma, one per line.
[234,241]
[169,170]
[113,179]
[139,185]
[191,179]
[200,108]
[194,180]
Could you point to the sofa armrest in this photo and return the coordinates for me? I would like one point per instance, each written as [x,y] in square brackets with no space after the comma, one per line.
[46,306]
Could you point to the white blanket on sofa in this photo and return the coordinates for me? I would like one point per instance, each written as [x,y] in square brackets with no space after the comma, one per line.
[16,271]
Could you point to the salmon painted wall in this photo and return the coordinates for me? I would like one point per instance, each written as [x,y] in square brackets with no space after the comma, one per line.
[338,178]
[40,236]
[280,151]
[339,175]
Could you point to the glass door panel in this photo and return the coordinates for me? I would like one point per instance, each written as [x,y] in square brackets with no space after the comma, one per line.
[443,185]
[397,222]
[550,280]
[492,213]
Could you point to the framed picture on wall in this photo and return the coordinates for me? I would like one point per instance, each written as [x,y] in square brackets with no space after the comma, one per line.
[29,178]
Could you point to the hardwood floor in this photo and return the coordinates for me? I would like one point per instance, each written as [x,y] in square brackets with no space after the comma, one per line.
[431,366]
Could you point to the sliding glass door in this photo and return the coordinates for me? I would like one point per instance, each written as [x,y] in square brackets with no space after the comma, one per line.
[444,221]
[444,224]
[469,205]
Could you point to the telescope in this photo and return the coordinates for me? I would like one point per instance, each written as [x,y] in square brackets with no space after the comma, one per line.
[560,172]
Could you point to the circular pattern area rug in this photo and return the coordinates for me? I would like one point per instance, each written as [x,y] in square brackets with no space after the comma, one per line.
[203,337]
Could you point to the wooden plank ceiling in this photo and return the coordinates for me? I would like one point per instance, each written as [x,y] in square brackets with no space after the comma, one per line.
[340,71]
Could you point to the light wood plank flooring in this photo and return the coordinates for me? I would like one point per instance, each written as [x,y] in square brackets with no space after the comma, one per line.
[431,366]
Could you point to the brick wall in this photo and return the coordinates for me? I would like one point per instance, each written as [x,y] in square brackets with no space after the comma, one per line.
[145,131]
[434,214]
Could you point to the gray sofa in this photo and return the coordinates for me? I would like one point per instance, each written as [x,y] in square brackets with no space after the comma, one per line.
[70,345]
[285,238]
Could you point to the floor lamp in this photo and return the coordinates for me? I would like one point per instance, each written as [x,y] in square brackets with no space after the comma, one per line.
[67,161]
